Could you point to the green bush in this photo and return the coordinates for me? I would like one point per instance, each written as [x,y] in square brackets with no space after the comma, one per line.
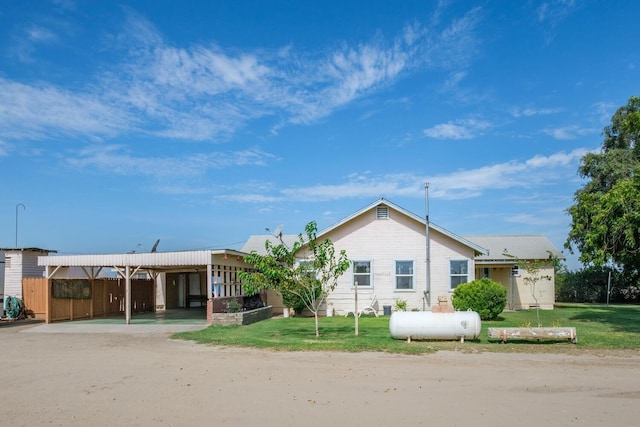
[483,296]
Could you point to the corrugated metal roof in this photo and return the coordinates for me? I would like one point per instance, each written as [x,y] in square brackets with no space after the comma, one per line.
[27,250]
[150,259]
[536,246]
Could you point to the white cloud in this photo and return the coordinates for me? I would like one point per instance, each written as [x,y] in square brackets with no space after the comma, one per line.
[568,132]
[115,160]
[552,13]
[206,92]
[40,34]
[47,112]
[4,149]
[536,171]
[459,129]
[529,112]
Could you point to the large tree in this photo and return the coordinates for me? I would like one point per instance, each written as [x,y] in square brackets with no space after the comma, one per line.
[308,271]
[606,212]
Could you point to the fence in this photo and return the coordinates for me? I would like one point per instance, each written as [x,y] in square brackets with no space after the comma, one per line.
[105,297]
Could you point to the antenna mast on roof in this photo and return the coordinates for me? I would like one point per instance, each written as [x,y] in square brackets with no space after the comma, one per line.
[277,233]
[427,291]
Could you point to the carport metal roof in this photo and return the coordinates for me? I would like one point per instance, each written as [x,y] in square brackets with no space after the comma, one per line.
[128,264]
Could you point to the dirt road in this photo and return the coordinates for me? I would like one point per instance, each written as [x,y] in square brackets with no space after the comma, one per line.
[140,379]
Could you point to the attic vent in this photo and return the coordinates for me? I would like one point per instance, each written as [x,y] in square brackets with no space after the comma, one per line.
[382,212]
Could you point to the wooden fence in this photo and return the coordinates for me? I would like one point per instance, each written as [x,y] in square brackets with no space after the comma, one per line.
[107,298]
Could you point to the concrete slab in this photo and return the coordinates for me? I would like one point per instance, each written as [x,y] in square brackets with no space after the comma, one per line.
[102,328]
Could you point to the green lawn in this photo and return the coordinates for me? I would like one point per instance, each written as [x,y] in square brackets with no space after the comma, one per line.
[599,327]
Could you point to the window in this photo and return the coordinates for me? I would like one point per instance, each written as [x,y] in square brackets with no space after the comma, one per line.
[486,272]
[307,268]
[404,275]
[362,273]
[459,272]
[382,212]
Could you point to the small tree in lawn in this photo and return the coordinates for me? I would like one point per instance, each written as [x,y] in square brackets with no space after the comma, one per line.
[534,274]
[310,279]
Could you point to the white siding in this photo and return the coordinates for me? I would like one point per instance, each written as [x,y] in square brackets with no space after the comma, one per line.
[13,274]
[20,264]
[544,290]
[383,241]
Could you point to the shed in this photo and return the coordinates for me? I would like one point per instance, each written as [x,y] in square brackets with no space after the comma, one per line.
[21,263]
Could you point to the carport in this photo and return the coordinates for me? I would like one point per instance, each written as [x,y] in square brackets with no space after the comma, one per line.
[221,267]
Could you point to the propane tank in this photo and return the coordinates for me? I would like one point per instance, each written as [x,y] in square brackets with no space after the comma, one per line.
[426,325]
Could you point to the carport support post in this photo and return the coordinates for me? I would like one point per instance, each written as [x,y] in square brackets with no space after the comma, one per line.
[127,287]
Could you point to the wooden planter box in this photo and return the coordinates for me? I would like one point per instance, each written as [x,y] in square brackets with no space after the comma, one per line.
[558,334]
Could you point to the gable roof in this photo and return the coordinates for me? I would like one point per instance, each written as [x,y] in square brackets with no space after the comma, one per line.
[384,202]
[256,242]
[532,247]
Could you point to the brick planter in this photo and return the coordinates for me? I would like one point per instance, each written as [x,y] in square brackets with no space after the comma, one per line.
[243,317]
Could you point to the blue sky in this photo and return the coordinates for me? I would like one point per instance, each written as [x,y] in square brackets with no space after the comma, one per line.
[200,123]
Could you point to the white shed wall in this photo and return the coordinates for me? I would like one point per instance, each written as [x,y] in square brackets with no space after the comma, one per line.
[13,274]
[20,264]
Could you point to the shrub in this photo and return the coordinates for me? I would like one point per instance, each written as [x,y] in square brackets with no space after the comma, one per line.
[483,296]
[233,306]
[401,305]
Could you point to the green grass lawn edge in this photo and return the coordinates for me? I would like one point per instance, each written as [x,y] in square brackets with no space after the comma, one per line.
[599,328]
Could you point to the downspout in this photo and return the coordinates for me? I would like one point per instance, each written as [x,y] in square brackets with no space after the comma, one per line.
[427,291]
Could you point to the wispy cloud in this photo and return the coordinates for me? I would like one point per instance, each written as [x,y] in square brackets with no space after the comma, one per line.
[568,132]
[116,160]
[207,92]
[4,150]
[536,171]
[531,111]
[47,112]
[550,14]
[459,129]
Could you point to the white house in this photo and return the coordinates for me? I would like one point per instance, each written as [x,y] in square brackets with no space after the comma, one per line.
[388,249]
[500,264]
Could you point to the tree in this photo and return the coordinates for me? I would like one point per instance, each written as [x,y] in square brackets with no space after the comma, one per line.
[534,274]
[309,270]
[605,215]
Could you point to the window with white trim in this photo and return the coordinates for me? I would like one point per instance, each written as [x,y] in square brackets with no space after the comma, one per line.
[362,274]
[458,272]
[404,275]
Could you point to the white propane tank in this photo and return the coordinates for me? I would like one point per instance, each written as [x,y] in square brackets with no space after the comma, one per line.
[426,325]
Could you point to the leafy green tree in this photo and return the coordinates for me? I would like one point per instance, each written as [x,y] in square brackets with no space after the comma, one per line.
[605,215]
[308,271]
